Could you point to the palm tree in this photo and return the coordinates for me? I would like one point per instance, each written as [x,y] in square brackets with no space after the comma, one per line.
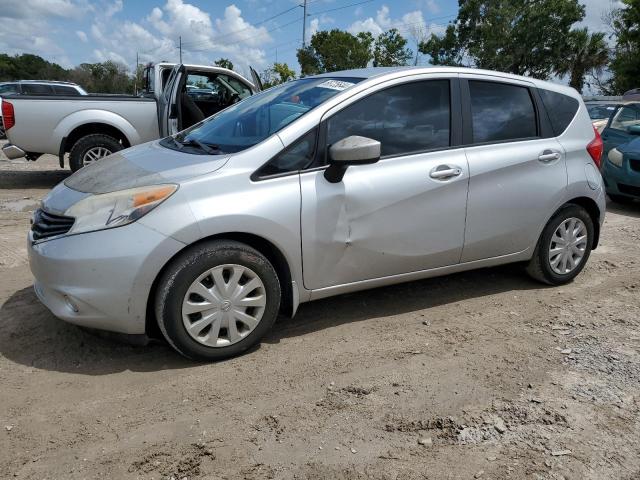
[588,53]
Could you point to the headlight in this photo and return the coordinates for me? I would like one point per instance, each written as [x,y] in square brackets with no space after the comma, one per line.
[109,210]
[615,157]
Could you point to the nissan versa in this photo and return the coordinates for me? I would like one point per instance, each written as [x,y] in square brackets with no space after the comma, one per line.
[321,186]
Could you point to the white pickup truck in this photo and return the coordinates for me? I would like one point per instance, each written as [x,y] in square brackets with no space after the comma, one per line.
[93,126]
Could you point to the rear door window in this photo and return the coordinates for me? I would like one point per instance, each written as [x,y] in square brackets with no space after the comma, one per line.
[36,89]
[560,108]
[501,112]
[407,118]
[65,90]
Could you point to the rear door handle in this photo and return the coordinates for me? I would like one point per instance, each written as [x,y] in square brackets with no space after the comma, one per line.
[549,156]
[444,172]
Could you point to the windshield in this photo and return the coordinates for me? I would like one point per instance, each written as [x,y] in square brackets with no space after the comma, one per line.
[599,111]
[252,120]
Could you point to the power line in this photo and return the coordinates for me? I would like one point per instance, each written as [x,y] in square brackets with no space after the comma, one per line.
[341,8]
[246,28]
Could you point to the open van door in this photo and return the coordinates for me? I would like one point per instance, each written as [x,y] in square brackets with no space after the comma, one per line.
[169,102]
[256,80]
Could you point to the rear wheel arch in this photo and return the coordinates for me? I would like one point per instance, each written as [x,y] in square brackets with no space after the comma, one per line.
[90,129]
[261,244]
[594,212]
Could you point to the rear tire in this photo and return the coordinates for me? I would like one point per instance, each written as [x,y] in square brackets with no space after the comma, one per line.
[547,264]
[93,147]
[217,299]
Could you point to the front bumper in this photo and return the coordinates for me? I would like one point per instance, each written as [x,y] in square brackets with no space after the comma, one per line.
[621,180]
[101,279]
[12,152]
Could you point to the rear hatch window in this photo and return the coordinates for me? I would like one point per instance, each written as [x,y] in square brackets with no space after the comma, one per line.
[561,109]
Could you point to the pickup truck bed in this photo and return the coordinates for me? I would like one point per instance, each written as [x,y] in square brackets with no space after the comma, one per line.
[132,120]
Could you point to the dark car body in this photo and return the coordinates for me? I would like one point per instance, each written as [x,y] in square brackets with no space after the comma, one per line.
[621,165]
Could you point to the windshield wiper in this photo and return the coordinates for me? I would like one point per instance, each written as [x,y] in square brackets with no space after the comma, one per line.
[210,149]
[175,142]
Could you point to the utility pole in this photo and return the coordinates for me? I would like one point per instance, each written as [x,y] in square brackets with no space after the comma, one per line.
[304,24]
[180,40]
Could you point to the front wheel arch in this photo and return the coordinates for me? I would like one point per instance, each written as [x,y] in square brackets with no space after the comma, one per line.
[261,244]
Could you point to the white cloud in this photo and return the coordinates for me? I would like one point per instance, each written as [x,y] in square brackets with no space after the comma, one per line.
[204,38]
[314,24]
[82,36]
[408,23]
[594,12]
[432,6]
[31,9]
[114,8]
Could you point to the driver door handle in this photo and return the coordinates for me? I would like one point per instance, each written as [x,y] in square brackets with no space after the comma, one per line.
[444,172]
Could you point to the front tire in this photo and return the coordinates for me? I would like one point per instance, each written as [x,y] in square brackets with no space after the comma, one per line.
[217,299]
[91,148]
[564,246]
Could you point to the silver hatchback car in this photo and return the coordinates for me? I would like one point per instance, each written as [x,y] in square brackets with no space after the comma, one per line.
[321,186]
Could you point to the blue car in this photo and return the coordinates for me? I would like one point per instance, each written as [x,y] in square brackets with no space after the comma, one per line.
[621,165]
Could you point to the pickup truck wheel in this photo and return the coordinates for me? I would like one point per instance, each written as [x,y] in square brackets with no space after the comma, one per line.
[90,148]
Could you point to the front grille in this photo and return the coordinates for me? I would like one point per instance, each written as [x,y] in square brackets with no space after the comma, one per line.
[47,224]
[634,164]
[629,189]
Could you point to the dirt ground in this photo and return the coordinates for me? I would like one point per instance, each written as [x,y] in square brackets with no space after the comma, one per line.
[477,375]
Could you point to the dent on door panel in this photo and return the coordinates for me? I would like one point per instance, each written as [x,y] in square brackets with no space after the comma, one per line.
[370,226]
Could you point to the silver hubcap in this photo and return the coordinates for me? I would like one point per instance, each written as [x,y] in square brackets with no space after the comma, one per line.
[95,153]
[568,245]
[223,305]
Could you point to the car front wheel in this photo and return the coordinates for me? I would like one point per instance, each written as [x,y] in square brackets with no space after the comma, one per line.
[217,299]
[564,246]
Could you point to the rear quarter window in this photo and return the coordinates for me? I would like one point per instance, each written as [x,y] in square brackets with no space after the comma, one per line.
[561,109]
[501,112]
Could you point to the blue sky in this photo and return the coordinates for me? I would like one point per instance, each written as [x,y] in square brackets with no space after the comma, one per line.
[249,32]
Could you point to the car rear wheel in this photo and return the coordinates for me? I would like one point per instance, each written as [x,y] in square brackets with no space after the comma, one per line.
[91,148]
[217,299]
[564,246]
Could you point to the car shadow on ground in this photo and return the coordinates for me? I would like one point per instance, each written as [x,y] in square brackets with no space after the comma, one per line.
[403,299]
[628,209]
[28,179]
[30,335]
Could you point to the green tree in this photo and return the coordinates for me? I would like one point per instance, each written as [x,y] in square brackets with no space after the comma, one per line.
[587,53]
[224,63]
[519,36]
[334,50]
[390,50]
[625,64]
[276,74]
[30,67]
[105,77]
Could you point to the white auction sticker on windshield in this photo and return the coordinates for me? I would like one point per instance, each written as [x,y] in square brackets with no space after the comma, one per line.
[335,84]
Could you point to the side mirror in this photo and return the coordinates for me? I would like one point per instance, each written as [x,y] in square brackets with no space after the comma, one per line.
[353,150]
[634,129]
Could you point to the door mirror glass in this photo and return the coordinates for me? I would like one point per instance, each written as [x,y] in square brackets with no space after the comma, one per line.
[634,129]
[352,150]
[355,150]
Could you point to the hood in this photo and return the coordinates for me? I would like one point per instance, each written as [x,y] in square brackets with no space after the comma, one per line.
[146,164]
[632,147]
